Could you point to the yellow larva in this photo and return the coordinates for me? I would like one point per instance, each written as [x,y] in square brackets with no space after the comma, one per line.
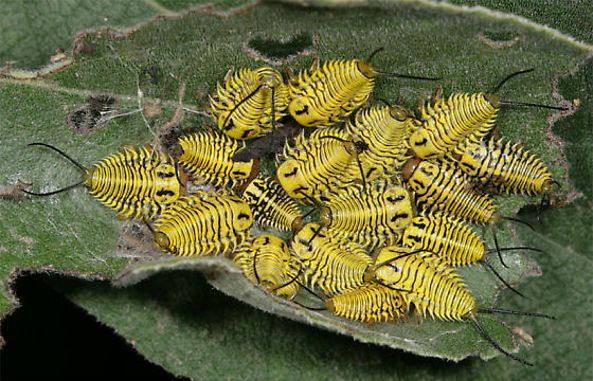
[441,186]
[249,102]
[327,264]
[433,288]
[371,215]
[136,182]
[203,224]
[449,122]
[328,93]
[370,303]
[507,166]
[209,155]
[266,260]
[463,116]
[386,130]
[316,166]
[271,206]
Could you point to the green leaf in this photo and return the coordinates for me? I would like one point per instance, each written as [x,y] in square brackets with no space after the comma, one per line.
[174,318]
[33,31]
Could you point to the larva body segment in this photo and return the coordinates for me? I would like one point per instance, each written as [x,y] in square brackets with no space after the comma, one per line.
[448,122]
[209,155]
[242,106]
[203,224]
[507,166]
[327,264]
[370,216]
[442,187]
[331,92]
[271,205]
[267,260]
[445,236]
[370,303]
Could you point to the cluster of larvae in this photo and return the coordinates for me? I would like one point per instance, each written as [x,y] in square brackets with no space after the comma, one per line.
[394,195]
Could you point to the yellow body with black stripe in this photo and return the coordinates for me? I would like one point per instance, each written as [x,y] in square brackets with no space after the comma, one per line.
[441,186]
[267,260]
[386,130]
[370,303]
[209,155]
[445,236]
[426,282]
[242,106]
[271,205]
[449,122]
[329,93]
[318,164]
[370,216]
[203,224]
[331,266]
[135,182]
[507,166]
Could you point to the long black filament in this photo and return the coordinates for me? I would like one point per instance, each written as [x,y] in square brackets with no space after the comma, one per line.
[255,269]
[519,221]
[373,53]
[491,268]
[490,340]
[290,281]
[508,77]
[513,312]
[226,120]
[527,104]
[517,248]
[54,192]
[498,248]
[80,166]
[415,77]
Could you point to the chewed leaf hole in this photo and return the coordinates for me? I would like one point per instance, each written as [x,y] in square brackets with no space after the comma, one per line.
[280,51]
[499,39]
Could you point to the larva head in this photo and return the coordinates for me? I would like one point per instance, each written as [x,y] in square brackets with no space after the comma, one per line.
[365,67]
[163,242]
[168,184]
[269,77]
[410,167]
[399,207]
[325,216]
[290,177]
[297,224]
[400,113]
[388,267]
[242,170]
[243,217]
[492,99]
[304,240]
[473,156]
[330,305]
[421,142]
